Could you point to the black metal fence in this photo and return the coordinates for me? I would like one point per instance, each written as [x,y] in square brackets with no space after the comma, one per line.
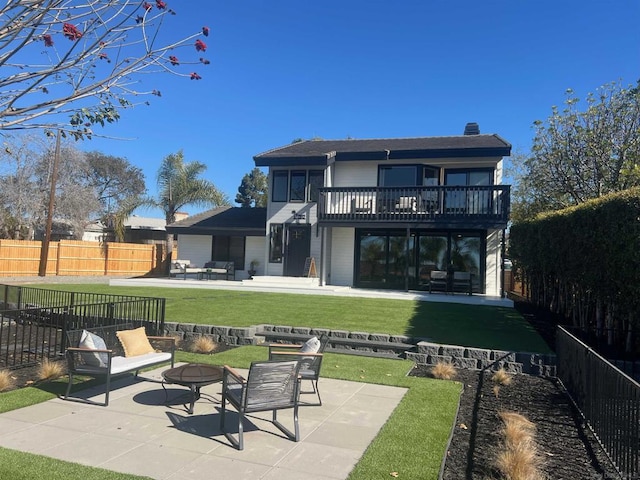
[608,399]
[34,321]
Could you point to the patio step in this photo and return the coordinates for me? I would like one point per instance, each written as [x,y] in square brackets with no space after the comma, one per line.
[281,282]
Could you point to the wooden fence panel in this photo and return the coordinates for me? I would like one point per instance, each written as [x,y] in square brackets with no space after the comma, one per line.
[22,258]
[68,257]
[76,257]
[130,259]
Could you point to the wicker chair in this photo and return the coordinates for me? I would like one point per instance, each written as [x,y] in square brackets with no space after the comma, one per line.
[269,386]
[310,363]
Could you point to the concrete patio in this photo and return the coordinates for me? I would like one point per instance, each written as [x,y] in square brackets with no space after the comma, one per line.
[309,286]
[139,433]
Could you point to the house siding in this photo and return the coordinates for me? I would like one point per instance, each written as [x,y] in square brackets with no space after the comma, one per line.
[195,248]
[342,256]
[254,250]
[493,271]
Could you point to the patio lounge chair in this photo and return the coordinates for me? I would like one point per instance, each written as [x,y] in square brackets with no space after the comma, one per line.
[439,280]
[310,361]
[269,386]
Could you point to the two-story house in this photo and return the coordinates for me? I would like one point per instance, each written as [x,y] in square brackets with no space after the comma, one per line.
[385,213]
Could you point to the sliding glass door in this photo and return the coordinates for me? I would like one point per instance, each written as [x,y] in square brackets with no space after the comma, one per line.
[390,259]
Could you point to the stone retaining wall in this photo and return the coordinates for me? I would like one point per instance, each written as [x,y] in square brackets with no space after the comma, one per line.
[375,344]
[479,359]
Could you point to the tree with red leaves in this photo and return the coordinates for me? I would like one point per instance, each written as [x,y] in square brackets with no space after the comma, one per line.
[51,76]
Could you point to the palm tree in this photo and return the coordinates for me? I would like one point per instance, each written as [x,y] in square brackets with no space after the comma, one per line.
[179,185]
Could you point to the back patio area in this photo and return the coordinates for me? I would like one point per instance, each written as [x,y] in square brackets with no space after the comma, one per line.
[141,434]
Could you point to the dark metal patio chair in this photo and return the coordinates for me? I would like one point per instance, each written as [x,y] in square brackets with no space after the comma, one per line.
[310,363]
[269,386]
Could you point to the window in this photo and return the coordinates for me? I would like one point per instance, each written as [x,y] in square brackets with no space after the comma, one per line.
[316,180]
[469,200]
[275,244]
[280,186]
[398,176]
[297,186]
[230,249]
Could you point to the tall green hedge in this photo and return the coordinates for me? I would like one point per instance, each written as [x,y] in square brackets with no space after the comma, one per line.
[584,261]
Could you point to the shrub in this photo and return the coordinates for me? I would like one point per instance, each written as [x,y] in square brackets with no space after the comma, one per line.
[519,458]
[203,344]
[443,371]
[49,370]
[501,377]
[7,382]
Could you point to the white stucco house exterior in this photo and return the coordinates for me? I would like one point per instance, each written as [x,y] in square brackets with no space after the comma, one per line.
[377,213]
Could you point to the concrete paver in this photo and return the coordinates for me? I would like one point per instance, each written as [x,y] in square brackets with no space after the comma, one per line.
[138,433]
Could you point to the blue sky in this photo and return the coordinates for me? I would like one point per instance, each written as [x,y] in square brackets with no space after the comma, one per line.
[282,70]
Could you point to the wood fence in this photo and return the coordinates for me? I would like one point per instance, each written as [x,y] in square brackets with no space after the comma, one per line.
[69,257]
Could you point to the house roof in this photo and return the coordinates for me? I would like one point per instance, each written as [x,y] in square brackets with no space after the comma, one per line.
[325,152]
[223,221]
[135,222]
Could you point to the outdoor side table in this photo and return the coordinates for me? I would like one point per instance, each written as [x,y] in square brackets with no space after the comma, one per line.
[194,376]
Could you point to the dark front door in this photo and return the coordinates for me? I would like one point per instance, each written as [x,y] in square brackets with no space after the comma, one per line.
[297,249]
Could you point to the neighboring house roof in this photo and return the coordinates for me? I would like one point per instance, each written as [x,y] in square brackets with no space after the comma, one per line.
[135,222]
[223,221]
[325,152]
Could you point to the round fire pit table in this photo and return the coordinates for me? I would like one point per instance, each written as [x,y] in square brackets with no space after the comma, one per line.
[194,376]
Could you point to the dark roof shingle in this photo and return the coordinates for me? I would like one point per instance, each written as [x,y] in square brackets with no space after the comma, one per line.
[223,221]
[327,151]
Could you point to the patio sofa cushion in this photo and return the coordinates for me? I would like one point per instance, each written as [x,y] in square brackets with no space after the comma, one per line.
[91,341]
[127,364]
[134,342]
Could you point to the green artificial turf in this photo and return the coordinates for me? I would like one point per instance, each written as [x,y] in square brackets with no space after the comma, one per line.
[411,443]
[477,326]
[16,465]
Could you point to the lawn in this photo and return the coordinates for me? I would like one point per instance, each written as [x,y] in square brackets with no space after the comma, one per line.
[411,443]
[489,327]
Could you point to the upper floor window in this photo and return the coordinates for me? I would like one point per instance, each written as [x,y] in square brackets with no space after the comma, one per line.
[472,177]
[398,175]
[316,180]
[280,186]
[296,185]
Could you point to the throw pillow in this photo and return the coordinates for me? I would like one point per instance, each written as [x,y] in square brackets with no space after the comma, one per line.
[311,346]
[91,341]
[134,342]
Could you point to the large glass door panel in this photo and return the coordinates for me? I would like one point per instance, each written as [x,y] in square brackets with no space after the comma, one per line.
[455,201]
[479,201]
[372,264]
[399,261]
[432,255]
[465,253]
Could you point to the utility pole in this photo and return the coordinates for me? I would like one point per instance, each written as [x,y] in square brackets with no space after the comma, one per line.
[44,251]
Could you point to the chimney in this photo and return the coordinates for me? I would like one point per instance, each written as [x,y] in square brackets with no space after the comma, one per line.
[472,129]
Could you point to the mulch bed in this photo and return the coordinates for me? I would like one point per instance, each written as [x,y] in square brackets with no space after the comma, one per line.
[568,449]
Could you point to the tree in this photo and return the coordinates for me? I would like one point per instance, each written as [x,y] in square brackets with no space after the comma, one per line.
[179,185]
[253,189]
[114,179]
[25,186]
[579,155]
[72,64]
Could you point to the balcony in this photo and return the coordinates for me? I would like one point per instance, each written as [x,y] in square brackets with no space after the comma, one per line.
[434,207]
